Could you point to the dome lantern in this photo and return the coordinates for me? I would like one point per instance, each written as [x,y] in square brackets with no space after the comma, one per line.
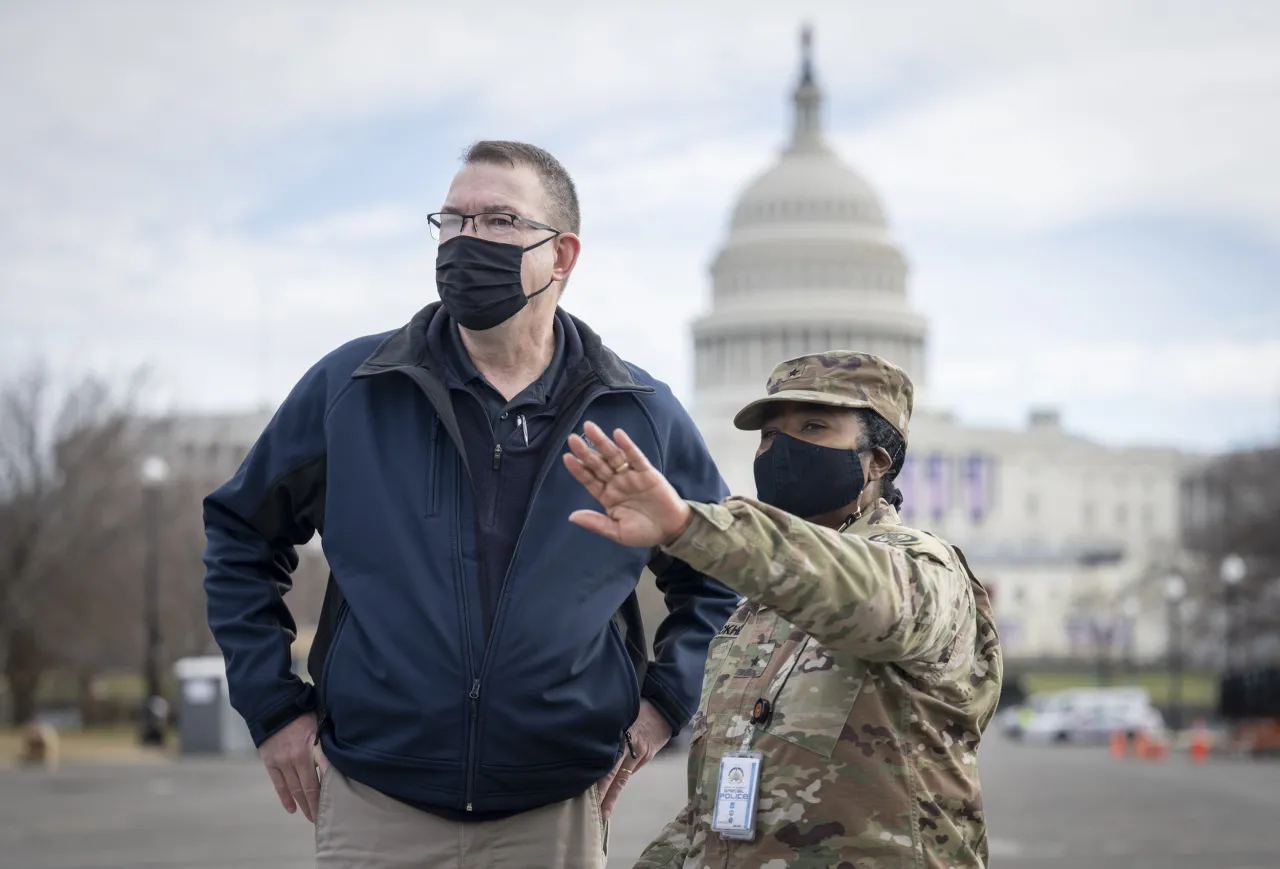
[807,135]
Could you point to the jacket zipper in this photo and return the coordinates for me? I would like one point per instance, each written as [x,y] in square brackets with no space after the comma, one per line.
[433,496]
[473,717]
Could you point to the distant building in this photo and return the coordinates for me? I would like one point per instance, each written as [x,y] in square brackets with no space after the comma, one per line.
[1059,526]
[208,448]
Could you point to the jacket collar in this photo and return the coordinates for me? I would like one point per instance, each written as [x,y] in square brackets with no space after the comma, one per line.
[407,348]
[879,513]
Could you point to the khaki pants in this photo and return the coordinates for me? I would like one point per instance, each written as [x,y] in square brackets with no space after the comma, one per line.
[359,828]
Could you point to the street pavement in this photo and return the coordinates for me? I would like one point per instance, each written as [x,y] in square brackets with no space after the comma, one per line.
[1048,808]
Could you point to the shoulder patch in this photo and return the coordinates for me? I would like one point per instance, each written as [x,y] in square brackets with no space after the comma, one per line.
[894,538]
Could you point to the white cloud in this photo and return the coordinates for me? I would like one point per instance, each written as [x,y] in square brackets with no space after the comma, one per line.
[379,223]
[1171,130]
[1067,371]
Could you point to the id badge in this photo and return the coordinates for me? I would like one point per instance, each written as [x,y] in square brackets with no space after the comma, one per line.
[736,795]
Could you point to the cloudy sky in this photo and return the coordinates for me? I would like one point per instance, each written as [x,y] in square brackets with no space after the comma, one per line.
[1088,192]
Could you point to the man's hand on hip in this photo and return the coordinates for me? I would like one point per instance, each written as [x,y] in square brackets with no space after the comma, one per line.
[649,733]
[287,755]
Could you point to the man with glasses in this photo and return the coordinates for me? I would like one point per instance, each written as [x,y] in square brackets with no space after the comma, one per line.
[482,689]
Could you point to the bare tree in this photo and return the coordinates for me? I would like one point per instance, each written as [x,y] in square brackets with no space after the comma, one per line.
[1233,508]
[68,491]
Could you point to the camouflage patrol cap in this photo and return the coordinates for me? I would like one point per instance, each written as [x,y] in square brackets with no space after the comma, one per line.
[837,378]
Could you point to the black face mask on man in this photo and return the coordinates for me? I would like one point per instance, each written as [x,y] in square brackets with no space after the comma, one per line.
[479,280]
[807,480]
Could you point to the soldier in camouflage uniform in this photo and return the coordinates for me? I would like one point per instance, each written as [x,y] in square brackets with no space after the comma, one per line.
[863,663]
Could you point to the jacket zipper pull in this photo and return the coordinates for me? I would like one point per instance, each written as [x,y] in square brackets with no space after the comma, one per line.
[524,427]
[497,455]
[631,746]
[475,690]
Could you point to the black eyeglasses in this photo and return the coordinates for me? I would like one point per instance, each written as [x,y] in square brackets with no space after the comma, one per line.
[494,225]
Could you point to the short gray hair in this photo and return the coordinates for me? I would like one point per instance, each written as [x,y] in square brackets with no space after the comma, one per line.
[563,196]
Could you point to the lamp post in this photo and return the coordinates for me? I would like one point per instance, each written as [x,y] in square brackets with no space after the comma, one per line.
[1104,631]
[1175,589]
[1130,609]
[1232,573]
[154,473]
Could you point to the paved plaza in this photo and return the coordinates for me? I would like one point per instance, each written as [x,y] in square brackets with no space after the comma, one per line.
[1049,808]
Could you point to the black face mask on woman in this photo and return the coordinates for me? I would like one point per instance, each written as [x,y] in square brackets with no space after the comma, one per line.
[479,280]
[807,480]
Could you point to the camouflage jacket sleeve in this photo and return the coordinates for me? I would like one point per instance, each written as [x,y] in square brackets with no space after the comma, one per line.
[669,849]
[878,601]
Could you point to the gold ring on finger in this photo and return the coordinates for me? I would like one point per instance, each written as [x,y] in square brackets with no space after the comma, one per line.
[625,466]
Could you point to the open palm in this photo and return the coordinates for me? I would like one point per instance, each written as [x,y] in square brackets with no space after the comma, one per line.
[640,507]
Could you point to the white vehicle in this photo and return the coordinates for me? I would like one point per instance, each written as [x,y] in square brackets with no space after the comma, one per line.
[1088,715]
[1011,720]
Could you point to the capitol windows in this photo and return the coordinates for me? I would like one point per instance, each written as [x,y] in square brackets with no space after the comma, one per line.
[711,358]
[788,346]
[1148,517]
[1033,506]
[1122,515]
[1089,512]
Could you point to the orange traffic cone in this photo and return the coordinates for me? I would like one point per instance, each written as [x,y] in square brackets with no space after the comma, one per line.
[1141,745]
[1199,742]
[1119,744]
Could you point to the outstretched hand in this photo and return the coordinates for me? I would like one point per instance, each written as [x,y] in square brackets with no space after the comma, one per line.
[640,507]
